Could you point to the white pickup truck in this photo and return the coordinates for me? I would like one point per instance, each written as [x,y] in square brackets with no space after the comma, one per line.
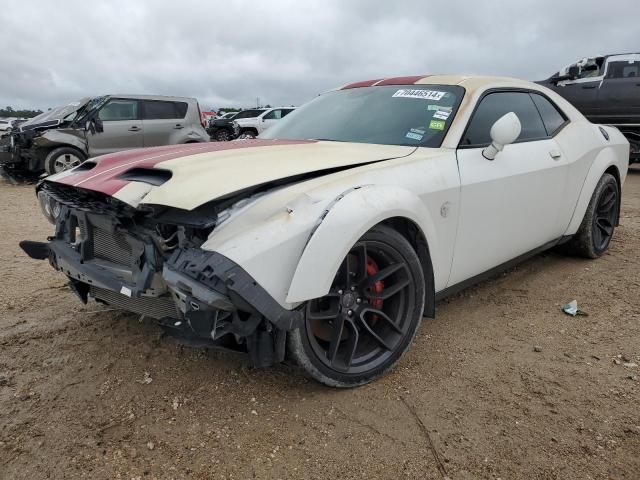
[252,127]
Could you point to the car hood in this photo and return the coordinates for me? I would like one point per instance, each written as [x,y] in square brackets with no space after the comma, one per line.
[52,118]
[187,176]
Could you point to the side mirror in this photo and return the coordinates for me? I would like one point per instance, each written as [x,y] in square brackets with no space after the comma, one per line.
[505,131]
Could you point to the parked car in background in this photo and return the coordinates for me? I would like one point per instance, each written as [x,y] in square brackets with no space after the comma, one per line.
[6,125]
[224,129]
[606,89]
[228,115]
[251,127]
[328,238]
[64,137]
[17,122]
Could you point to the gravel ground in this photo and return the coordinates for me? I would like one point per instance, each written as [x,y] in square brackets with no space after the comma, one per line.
[501,385]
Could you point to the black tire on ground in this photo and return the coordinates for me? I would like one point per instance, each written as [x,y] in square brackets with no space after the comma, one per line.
[248,134]
[596,230]
[223,135]
[63,158]
[370,316]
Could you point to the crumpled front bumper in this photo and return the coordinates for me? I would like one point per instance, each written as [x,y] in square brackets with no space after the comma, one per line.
[6,152]
[206,286]
[209,277]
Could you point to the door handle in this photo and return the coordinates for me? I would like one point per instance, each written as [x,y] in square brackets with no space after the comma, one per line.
[588,86]
[134,129]
[178,126]
[555,154]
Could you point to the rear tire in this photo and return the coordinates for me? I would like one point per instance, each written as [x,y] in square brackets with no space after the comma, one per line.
[63,158]
[367,321]
[596,230]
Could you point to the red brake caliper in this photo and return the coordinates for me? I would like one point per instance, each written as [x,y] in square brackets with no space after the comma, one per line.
[372,269]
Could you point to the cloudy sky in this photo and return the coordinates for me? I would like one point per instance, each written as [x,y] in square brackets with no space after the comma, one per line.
[227,53]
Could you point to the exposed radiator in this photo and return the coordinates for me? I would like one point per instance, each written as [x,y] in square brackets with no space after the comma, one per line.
[154,307]
[112,246]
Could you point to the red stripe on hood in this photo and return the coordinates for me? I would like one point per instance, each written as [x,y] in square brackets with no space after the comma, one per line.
[104,176]
[364,83]
[401,80]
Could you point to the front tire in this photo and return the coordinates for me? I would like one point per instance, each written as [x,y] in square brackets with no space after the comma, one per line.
[63,158]
[596,230]
[366,322]
[248,134]
[223,135]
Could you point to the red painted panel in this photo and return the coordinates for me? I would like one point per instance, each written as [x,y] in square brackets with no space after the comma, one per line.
[402,80]
[364,83]
[103,177]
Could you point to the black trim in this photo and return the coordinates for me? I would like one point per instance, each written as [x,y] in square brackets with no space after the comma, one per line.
[493,272]
[513,89]
[204,275]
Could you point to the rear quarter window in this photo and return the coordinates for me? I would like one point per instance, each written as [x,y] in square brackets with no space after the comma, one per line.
[552,117]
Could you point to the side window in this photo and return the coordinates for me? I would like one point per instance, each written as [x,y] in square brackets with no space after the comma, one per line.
[286,111]
[248,114]
[495,105]
[181,109]
[623,70]
[273,115]
[551,115]
[119,109]
[159,110]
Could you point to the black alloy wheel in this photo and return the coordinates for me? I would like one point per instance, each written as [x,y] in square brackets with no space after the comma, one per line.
[598,224]
[223,135]
[605,217]
[370,315]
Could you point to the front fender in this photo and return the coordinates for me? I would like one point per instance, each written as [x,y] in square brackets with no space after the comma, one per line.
[616,155]
[56,138]
[344,222]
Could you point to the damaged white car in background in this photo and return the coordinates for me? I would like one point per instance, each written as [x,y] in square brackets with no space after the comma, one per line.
[326,240]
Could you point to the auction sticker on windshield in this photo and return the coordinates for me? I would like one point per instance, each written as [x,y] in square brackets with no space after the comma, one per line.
[436,125]
[423,94]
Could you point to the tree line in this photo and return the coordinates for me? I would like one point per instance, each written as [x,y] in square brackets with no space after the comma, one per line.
[10,112]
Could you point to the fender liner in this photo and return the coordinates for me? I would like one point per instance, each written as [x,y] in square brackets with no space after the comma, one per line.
[342,224]
[606,161]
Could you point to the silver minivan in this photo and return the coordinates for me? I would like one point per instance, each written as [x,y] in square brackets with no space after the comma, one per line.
[100,125]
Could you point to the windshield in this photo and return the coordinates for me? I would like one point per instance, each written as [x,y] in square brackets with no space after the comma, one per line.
[413,115]
[57,113]
[91,106]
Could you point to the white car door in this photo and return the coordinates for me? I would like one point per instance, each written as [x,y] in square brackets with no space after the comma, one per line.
[269,119]
[509,205]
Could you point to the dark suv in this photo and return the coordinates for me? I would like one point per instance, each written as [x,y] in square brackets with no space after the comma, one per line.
[605,89]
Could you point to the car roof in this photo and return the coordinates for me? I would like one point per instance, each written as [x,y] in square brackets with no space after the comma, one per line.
[150,97]
[469,82]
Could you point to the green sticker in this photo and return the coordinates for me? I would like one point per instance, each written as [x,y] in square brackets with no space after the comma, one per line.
[436,125]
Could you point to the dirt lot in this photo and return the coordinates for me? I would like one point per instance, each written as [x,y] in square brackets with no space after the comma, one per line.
[89,392]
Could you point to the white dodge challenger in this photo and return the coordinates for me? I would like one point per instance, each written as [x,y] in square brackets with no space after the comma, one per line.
[326,240]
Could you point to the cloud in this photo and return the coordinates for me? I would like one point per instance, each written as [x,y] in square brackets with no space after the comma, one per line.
[283,51]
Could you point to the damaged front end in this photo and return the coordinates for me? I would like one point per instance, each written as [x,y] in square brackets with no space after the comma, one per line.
[149,261]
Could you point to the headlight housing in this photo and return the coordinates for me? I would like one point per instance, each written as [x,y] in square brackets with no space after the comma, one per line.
[49,206]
